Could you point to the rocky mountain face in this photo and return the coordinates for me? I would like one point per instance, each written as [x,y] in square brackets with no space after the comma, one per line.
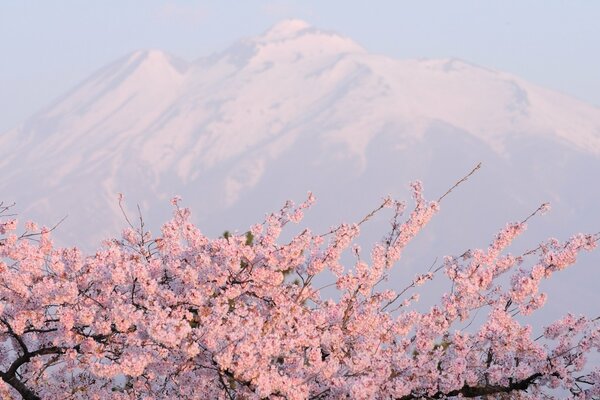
[297,109]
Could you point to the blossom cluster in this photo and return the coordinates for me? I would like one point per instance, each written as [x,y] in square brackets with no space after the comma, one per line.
[184,316]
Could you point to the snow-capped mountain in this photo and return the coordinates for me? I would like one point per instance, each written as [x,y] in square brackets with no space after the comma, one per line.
[299,109]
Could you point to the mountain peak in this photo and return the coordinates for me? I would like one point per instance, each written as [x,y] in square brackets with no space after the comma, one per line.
[155,58]
[149,53]
[293,39]
[286,29]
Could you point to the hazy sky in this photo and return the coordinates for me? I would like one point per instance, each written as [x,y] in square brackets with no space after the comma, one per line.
[47,47]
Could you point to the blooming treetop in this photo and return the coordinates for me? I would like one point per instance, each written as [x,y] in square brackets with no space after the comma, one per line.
[188,317]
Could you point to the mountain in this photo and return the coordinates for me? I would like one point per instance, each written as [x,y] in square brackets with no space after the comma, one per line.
[299,109]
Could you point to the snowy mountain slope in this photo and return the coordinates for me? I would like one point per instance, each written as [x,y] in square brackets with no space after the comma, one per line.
[300,109]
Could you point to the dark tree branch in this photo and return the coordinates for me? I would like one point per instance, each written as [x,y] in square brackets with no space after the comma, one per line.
[11,376]
[476,391]
[19,386]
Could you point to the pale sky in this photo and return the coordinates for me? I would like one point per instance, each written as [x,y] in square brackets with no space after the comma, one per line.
[47,47]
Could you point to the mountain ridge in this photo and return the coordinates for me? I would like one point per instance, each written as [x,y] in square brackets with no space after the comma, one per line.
[239,132]
[153,125]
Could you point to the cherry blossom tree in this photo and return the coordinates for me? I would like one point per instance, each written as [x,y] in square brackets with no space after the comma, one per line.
[184,316]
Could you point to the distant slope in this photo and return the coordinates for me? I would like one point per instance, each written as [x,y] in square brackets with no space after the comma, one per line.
[300,109]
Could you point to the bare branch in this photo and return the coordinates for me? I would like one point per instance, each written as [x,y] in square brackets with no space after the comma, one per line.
[461,181]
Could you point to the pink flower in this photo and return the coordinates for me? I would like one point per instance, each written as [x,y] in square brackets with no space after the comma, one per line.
[186,316]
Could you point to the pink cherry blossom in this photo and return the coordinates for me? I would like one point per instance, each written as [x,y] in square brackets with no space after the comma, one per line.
[181,315]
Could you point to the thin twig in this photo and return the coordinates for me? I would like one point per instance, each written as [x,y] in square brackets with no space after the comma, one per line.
[362,221]
[540,208]
[124,213]
[461,181]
